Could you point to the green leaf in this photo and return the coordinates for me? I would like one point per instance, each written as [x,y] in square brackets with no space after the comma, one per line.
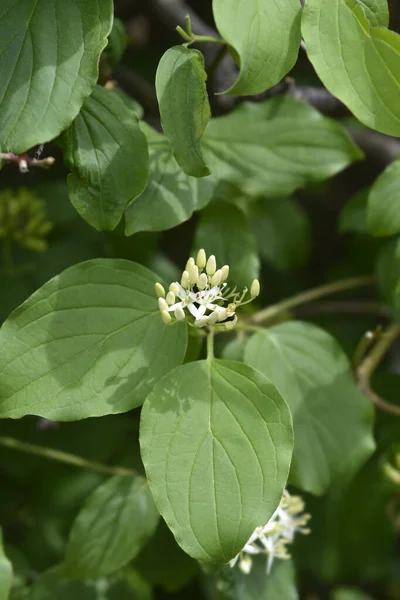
[171,196]
[113,524]
[117,43]
[107,153]
[332,419]
[274,147]
[358,62]
[49,56]
[163,564]
[184,107]
[214,485]
[353,218]
[384,202]
[6,573]
[280,584]
[90,342]
[266,37]
[388,273]
[224,231]
[283,232]
[376,11]
[349,594]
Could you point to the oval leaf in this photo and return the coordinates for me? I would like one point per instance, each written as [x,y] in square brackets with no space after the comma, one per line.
[216,442]
[171,196]
[383,213]
[42,91]
[272,148]
[107,154]
[5,572]
[332,419]
[90,342]
[184,107]
[266,37]
[358,62]
[112,526]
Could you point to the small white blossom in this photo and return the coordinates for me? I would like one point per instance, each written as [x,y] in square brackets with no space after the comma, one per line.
[273,538]
[204,294]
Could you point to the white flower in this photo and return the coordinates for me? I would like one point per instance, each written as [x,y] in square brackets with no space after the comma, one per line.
[203,291]
[273,538]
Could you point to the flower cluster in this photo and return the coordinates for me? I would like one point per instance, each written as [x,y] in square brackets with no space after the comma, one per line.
[272,539]
[204,293]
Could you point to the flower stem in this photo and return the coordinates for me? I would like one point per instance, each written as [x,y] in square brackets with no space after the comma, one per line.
[64,457]
[210,345]
[319,292]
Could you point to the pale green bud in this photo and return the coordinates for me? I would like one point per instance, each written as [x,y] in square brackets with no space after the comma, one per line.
[190,263]
[202,281]
[194,274]
[211,266]
[174,288]
[166,317]
[170,298]
[185,279]
[179,313]
[224,273]
[201,259]
[213,318]
[216,278]
[231,324]
[255,289]
[201,322]
[222,314]
[159,290]
[162,305]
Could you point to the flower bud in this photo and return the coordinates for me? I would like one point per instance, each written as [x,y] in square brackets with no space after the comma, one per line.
[216,278]
[159,290]
[221,312]
[162,305]
[224,273]
[212,318]
[201,322]
[174,288]
[185,279]
[166,317]
[231,324]
[211,266]
[190,263]
[255,289]
[201,259]
[202,281]
[179,313]
[194,274]
[170,298]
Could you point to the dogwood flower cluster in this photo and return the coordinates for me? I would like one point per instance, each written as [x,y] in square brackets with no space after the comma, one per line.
[202,297]
[273,538]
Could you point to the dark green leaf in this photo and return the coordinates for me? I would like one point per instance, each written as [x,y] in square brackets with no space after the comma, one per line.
[184,107]
[216,441]
[224,231]
[90,342]
[353,217]
[384,202]
[272,148]
[107,154]
[49,54]
[117,42]
[265,37]
[332,419]
[171,196]
[112,526]
[388,272]
[349,594]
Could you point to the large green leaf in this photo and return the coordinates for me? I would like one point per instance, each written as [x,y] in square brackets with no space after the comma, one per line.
[377,12]
[224,231]
[171,196]
[332,419]
[5,572]
[388,273]
[274,147]
[216,441]
[356,60]
[265,36]
[107,153]
[283,232]
[114,523]
[49,54]
[353,218]
[280,584]
[384,202]
[184,107]
[90,342]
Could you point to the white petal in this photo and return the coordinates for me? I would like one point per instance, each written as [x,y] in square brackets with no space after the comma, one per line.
[181,293]
[174,306]
[194,311]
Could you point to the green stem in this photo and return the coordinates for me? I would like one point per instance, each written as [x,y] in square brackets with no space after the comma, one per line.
[319,292]
[208,39]
[210,345]
[64,457]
